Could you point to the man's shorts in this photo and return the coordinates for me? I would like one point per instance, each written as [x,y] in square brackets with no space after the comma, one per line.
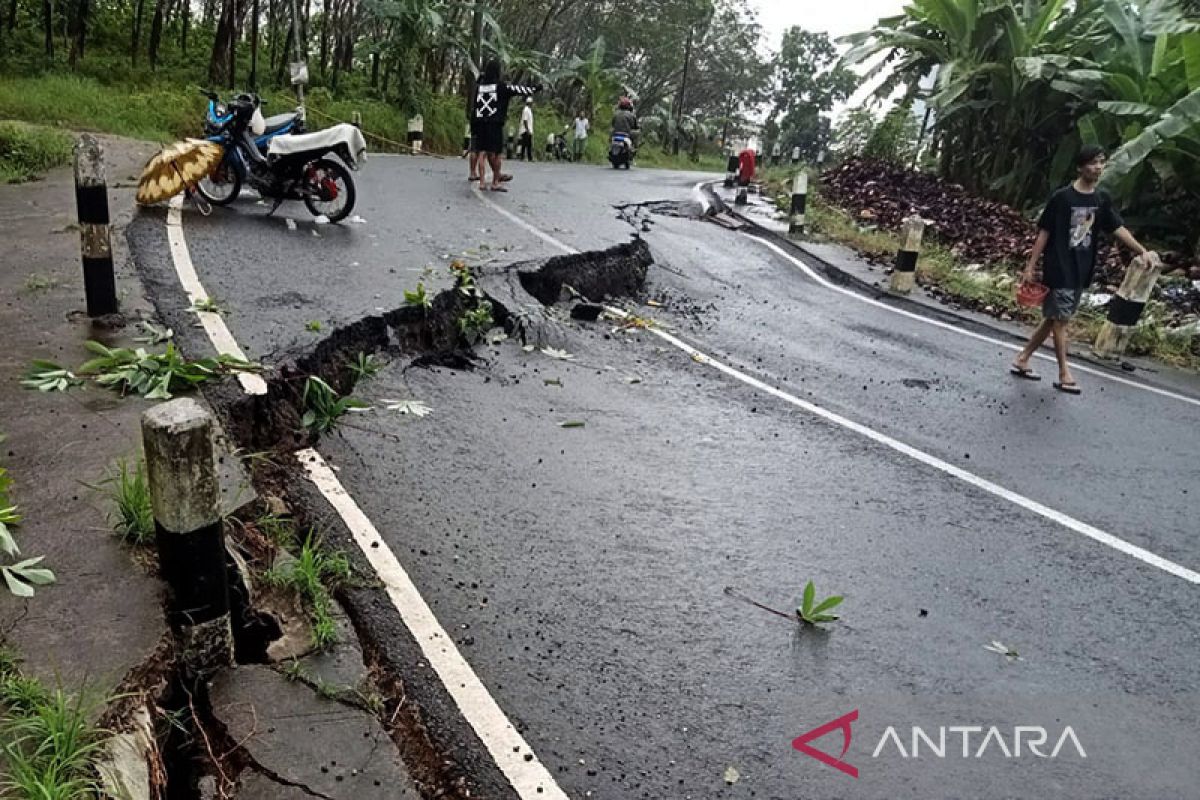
[1061,304]
[488,138]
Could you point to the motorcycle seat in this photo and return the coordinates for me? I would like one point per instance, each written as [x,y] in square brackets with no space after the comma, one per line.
[279,122]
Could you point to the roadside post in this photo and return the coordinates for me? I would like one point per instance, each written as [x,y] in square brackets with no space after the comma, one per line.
[1127,305]
[356,119]
[731,168]
[416,133]
[91,201]
[185,495]
[799,203]
[904,275]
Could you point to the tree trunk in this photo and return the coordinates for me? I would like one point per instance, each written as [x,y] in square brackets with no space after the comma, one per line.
[374,70]
[323,61]
[137,31]
[272,36]
[254,47]
[217,62]
[281,68]
[156,28]
[187,21]
[48,13]
[79,30]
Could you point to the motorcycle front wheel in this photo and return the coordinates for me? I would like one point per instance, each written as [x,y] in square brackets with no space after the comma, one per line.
[222,187]
[330,190]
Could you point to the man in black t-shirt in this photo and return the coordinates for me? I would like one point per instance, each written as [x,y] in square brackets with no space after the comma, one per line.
[1068,231]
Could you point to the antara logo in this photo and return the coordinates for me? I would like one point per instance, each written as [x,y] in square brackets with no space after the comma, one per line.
[1024,739]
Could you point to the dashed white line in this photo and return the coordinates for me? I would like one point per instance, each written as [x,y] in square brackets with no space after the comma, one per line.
[528,776]
[512,754]
[214,324]
[992,488]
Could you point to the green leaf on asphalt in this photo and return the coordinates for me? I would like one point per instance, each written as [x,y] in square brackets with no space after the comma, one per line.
[8,545]
[806,603]
[827,603]
[573,423]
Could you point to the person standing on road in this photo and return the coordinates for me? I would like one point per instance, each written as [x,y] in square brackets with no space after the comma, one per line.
[487,122]
[526,150]
[1069,228]
[579,143]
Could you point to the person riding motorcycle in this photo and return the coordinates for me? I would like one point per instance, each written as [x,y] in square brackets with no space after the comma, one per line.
[625,121]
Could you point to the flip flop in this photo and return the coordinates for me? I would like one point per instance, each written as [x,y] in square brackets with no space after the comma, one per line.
[504,177]
[1067,388]
[473,178]
[499,189]
[1024,372]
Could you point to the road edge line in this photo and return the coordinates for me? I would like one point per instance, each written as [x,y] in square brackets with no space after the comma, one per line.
[508,748]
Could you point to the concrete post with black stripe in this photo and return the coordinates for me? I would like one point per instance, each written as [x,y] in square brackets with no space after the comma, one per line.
[416,134]
[731,170]
[799,204]
[91,201]
[904,275]
[184,491]
[1127,305]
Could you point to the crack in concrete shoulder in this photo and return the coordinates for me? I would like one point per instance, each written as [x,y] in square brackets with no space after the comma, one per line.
[275,777]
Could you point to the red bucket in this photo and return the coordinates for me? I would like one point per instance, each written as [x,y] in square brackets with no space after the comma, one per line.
[1031,294]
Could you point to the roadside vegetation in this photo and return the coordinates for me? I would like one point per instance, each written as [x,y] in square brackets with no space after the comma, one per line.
[28,152]
[313,574]
[21,575]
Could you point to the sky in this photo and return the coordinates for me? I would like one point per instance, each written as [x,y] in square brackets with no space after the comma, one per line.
[835,17]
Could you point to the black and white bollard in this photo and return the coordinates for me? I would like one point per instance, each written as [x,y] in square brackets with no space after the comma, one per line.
[741,199]
[799,203]
[904,276]
[91,201]
[1126,307]
[416,133]
[731,170]
[795,156]
[184,491]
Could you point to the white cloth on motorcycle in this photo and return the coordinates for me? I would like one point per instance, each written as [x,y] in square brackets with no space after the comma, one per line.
[343,134]
[280,121]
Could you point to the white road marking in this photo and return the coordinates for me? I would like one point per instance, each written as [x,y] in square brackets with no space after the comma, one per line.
[807,270]
[214,324]
[994,489]
[512,754]
[528,776]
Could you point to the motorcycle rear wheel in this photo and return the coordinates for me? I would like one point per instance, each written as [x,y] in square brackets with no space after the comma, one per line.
[339,207]
[222,187]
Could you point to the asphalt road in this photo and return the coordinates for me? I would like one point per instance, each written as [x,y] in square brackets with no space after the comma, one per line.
[584,571]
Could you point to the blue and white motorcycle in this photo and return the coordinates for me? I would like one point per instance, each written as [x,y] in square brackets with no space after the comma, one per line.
[279,160]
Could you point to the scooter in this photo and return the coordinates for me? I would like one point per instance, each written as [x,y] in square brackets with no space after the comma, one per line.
[279,164]
[620,151]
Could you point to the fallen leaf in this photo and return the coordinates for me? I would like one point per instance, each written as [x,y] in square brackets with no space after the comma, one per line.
[572,423]
[554,352]
[416,408]
[731,775]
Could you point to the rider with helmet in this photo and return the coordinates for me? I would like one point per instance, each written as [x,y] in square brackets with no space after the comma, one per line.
[625,121]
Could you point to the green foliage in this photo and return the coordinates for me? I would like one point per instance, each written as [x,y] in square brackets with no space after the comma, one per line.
[128,493]
[156,375]
[49,743]
[810,82]
[313,575]
[476,322]
[280,530]
[811,612]
[313,326]
[418,298]
[207,304]
[894,139]
[27,152]
[323,406]
[20,577]
[365,366]
[46,376]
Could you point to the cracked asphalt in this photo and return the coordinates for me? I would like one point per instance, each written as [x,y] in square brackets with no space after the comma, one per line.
[585,572]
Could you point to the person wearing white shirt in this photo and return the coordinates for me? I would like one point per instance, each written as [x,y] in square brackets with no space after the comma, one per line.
[580,142]
[526,149]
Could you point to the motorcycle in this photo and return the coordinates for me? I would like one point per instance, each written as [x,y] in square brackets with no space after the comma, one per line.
[620,151]
[277,161]
[559,149]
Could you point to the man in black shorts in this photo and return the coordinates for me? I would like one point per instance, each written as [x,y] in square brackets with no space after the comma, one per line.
[487,121]
[1066,246]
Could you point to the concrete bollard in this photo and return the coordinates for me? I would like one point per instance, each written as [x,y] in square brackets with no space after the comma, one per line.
[416,133]
[356,119]
[177,438]
[91,202]
[741,198]
[731,169]
[904,276]
[1125,309]
[795,156]
[799,203]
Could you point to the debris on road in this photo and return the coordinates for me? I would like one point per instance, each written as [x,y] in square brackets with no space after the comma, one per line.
[731,775]
[573,423]
[416,408]
[1004,650]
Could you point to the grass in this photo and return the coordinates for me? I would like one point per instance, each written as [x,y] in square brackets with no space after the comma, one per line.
[313,575]
[28,152]
[48,742]
[128,493]
[324,407]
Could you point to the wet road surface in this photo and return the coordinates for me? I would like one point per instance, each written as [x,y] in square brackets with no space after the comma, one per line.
[583,571]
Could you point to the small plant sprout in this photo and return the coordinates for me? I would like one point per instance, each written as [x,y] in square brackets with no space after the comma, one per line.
[473,324]
[128,492]
[46,376]
[418,298]
[811,612]
[313,326]
[313,575]
[365,366]
[323,406]
[156,375]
